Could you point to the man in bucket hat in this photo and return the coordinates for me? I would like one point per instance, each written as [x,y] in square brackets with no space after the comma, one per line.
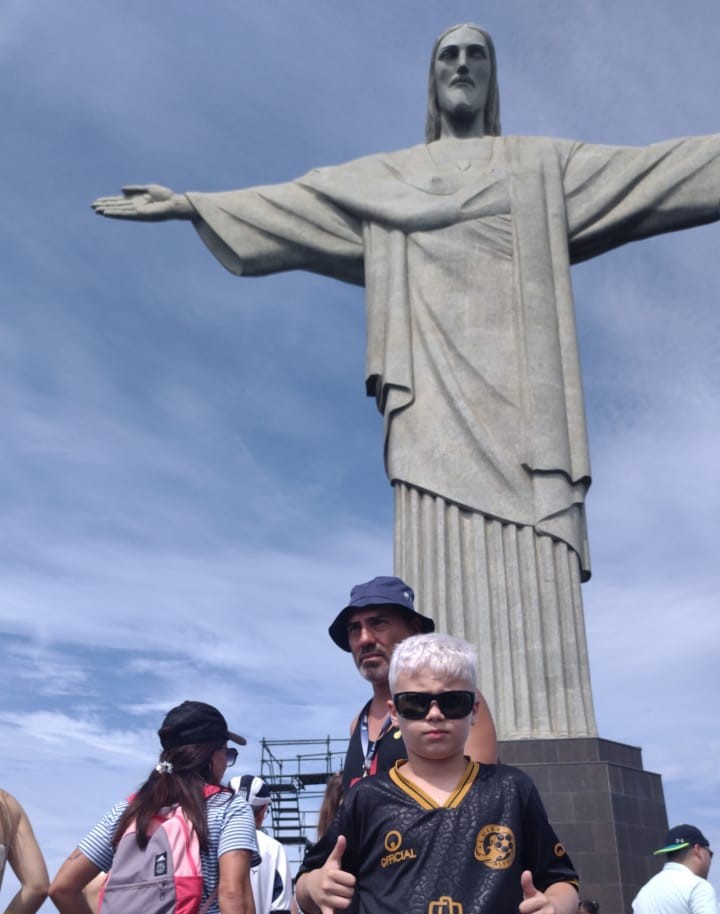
[681,887]
[381,613]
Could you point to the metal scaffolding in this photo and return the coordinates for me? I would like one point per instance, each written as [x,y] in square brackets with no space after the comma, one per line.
[297,772]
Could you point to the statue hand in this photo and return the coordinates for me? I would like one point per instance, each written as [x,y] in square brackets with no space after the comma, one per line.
[146,203]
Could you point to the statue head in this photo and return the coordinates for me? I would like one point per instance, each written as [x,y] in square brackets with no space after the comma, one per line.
[492,104]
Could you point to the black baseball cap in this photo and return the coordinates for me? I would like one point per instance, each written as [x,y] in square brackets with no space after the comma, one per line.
[381,591]
[194,722]
[682,836]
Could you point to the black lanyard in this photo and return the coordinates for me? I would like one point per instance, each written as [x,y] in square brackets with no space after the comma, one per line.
[370,747]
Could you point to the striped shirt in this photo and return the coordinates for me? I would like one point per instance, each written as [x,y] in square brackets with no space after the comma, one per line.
[231,827]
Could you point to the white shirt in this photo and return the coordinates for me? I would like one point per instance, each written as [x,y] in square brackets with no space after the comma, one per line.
[271,881]
[676,890]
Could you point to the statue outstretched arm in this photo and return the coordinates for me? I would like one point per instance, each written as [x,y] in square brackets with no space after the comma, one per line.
[145,203]
[617,194]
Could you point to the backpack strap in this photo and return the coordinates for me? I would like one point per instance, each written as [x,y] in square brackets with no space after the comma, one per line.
[210,790]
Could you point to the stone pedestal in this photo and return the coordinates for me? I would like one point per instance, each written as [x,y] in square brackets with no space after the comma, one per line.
[608,812]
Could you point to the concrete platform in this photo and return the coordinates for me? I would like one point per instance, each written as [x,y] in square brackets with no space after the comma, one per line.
[608,812]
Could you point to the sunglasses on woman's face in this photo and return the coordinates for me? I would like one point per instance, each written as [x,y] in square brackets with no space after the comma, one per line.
[231,755]
[415,705]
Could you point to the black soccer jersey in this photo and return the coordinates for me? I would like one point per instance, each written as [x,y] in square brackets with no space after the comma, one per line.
[412,856]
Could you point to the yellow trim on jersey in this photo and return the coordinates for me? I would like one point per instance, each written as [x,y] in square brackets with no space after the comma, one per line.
[427,802]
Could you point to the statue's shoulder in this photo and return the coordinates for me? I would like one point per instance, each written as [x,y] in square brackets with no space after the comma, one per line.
[374,164]
[543,146]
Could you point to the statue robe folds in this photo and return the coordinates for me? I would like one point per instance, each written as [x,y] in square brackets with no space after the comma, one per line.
[464,248]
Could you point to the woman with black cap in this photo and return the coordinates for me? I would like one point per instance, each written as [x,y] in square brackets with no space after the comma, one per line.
[193,760]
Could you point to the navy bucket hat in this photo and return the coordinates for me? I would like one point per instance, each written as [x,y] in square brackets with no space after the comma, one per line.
[381,591]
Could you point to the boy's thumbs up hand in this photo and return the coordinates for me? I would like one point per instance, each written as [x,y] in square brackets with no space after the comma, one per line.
[559,898]
[333,888]
[336,854]
[534,901]
[528,887]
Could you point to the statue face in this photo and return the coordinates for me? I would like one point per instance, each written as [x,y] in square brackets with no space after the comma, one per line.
[462,71]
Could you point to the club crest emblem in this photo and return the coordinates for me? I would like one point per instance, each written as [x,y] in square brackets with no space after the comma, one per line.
[495,847]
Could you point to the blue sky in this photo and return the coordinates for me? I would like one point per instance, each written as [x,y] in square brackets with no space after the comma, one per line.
[191,474]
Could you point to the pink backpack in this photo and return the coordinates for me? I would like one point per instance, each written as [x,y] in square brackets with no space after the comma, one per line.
[163,878]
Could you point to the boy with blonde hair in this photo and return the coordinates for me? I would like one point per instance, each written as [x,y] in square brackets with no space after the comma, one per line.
[439,833]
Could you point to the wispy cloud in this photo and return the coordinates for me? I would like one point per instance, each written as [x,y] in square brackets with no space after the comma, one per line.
[191,473]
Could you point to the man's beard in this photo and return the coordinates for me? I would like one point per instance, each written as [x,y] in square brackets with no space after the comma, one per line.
[377,671]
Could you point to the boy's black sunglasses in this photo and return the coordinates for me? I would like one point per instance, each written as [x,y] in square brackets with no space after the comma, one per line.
[415,705]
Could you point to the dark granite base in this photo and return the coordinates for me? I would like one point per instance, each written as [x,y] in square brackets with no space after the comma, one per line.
[607,811]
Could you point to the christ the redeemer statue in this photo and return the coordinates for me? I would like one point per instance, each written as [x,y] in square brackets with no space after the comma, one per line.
[464,246]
